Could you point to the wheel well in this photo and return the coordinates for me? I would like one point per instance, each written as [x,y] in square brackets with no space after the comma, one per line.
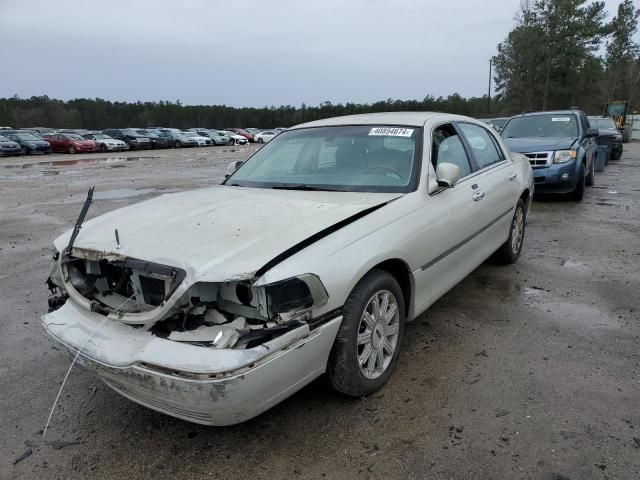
[525,196]
[402,274]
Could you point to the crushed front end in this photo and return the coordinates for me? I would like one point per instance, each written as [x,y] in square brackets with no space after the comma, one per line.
[214,353]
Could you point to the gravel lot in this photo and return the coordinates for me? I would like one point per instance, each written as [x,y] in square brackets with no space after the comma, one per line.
[525,371]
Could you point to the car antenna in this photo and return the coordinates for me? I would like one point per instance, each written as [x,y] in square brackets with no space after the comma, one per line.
[117,239]
[78,226]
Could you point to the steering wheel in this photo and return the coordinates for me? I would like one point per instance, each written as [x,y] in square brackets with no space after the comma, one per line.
[384,167]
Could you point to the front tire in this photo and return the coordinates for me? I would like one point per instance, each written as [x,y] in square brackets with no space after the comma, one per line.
[178,144]
[591,178]
[102,148]
[510,250]
[578,192]
[72,149]
[367,345]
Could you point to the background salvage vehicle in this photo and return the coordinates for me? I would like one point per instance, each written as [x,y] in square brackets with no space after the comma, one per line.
[213,305]
[70,143]
[202,140]
[8,147]
[133,139]
[28,142]
[265,136]
[220,137]
[608,135]
[105,143]
[242,133]
[177,138]
[235,139]
[561,147]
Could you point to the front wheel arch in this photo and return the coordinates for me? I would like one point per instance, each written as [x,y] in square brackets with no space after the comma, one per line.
[402,273]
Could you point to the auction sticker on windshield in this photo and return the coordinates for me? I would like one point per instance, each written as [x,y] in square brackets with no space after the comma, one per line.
[392,131]
[560,119]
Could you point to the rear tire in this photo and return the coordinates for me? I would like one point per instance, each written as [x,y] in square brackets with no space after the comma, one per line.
[177,144]
[368,343]
[24,151]
[616,155]
[510,250]
[578,192]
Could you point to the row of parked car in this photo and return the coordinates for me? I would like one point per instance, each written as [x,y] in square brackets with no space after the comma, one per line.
[41,140]
[565,147]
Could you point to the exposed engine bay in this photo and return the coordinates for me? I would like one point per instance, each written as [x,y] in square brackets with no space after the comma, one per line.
[233,314]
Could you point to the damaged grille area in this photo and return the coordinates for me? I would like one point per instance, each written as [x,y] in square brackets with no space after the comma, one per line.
[121,285]
[234,314]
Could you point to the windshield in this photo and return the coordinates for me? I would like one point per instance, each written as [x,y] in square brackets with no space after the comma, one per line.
[131,132]
[26,136]
[602,123]
[498,122]
[101,136]
[190,134]
[74,137]
[4,139]
[554,125]
[362,158]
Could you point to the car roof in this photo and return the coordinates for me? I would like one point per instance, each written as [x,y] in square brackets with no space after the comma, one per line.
[415,119]
[547,112]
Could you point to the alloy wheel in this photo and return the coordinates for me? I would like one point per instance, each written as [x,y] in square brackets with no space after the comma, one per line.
[517,230]
[378,334]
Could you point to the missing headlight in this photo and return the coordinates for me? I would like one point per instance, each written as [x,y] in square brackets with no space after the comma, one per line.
[292,294]
[295,294]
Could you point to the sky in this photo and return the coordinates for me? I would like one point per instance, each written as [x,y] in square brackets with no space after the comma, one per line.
[250,52]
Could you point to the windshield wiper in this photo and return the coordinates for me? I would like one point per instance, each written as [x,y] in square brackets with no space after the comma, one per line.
[310,188]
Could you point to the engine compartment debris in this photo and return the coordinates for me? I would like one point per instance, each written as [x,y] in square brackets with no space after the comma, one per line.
[232,314]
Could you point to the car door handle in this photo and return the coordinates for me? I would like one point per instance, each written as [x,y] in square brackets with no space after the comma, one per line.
[479,195]
[513,176]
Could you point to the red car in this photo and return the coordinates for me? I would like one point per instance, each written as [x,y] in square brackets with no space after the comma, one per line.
[242,132]
[69,142]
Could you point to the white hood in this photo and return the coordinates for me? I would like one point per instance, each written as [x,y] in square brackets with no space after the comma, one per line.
[220,233]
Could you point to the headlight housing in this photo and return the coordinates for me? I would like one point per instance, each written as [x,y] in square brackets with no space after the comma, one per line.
[562,156]
[295,294]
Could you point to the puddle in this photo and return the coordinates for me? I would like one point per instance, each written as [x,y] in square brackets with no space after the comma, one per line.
[81,162]
[576,313]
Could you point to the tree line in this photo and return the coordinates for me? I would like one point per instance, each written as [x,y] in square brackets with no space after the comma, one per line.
[560,53]
[96,114]
[564,53]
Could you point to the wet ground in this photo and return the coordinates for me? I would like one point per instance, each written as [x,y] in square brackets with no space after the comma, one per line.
[525,371]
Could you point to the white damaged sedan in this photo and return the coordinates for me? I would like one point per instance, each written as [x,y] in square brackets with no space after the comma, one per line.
[215,304]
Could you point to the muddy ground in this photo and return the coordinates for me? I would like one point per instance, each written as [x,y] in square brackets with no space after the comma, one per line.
[524,371]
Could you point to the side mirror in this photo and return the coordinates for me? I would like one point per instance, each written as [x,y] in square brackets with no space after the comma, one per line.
[591,133]
[233,166]
[447,174]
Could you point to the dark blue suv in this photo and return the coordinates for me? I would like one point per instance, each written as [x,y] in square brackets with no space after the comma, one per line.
[561,146]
